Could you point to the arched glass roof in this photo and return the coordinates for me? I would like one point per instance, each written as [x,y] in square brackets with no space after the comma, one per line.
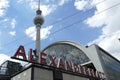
[67,52]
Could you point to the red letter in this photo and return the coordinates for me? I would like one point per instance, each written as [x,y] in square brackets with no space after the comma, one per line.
[84,70]
[68,66]
[30,56]
[80,68]
[89,71]
[43,58]
[76,68]
[20,52]
[93,72]
[100,75]
[52,62]
[103,76]
[60,64]
[97,74]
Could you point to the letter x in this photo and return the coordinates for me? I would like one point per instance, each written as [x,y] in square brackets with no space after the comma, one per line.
[52,62]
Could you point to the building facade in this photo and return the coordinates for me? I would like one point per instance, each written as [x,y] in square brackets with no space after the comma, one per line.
[40,72]
[67,60]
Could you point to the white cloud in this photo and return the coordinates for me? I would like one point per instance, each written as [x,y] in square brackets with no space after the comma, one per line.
[62,2]
[5,20]
[80,4]
[19,1]
[110,43]
[33,4]
[108,20]
[13,23]
[4,4]
[31,32]
[87,4]
[47,9]
[96,20]
[12,33]
[9,21]
[45,32]
[4,57]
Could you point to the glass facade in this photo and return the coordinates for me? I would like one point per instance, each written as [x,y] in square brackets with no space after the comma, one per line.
[67,52]
[3,68]
[9,68]
[25,75]
[112,66]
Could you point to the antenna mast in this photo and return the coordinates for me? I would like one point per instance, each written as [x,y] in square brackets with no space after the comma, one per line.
[39,5]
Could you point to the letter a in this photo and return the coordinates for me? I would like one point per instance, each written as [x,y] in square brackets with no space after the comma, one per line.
[20,52]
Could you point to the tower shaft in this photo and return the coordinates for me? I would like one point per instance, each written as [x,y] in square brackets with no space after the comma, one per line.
[38,26]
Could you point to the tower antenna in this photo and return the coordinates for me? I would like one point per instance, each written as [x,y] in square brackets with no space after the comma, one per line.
[38,11]
[39,5]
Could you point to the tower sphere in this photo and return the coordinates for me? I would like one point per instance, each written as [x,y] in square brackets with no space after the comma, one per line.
[38,19]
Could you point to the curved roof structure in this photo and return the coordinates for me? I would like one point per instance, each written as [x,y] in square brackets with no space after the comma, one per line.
[74,52]
[67,50]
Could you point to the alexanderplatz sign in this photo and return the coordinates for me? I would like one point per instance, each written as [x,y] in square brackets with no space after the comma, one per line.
[65,65]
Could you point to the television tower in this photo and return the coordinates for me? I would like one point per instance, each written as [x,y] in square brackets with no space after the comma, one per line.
[38,21]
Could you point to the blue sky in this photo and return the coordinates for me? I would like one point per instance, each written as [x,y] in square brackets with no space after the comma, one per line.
[83,21]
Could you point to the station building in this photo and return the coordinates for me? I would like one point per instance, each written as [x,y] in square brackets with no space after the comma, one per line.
[91,56]
[95,64]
